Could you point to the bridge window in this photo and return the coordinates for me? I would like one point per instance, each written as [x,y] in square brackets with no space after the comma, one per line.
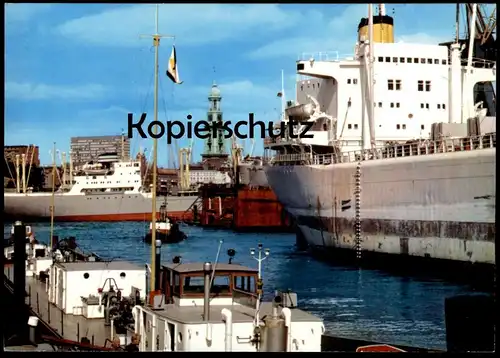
[415,60]
[390,85]
[436,61]
[402,60]
[429,61]
[422,60]
[427,86]
[420,86]
[444,62]
[387,59]
[409,60]
[395,59]
[398,85]
[380,59]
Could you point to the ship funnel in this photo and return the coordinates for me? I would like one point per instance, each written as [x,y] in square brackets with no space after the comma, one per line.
[383,27]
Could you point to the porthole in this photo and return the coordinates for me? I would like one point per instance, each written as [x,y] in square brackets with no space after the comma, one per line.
[86,275]
[122,275]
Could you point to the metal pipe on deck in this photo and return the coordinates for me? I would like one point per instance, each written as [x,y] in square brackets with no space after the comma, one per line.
[227,317]
[207,270]
[19,262]
[158,265]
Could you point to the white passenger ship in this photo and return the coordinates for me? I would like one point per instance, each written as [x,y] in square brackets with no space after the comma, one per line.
[108,190]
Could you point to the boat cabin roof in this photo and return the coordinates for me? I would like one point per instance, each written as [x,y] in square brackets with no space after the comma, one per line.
[99,265]
[197,267]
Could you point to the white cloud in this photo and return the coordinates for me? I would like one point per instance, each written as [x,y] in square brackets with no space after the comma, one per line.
[31,91]
[422,38]
[322,34]
[23,12]
[193,24]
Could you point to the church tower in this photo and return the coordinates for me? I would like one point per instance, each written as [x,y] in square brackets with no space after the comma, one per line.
[215,151]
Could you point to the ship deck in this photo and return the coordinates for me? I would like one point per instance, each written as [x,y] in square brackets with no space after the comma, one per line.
[71,327]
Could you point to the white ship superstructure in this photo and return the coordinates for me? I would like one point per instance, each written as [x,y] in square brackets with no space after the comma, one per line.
[108,190]
[403,155]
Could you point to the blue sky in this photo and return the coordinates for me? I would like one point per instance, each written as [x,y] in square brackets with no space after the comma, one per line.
[78,69]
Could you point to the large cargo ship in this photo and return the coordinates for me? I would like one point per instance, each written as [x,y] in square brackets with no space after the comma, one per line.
[402,162]
[108,190]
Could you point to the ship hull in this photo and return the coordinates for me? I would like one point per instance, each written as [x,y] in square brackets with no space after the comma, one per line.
[101,207]
[439,206]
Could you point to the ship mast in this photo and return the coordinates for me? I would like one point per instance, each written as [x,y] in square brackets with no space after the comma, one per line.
[156,43]
[52,198]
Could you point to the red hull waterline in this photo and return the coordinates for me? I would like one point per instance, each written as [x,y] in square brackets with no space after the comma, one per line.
[112,217]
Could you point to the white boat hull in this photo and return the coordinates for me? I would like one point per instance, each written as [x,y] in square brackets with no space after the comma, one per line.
[438,206]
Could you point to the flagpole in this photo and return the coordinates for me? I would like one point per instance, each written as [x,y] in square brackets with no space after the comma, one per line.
[283,94]
[156,43]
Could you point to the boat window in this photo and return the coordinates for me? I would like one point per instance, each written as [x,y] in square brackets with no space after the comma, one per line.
[436,61]
[444,62]
[415,60]
[245,283]
[402,60]
[395,59]
[176,283]
[380,59]
[409,60]
[387,59]
[196,284]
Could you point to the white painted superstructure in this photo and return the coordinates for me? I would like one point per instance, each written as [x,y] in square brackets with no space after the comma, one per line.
[407,157]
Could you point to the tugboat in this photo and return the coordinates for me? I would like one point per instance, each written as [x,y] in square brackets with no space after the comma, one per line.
[167,229]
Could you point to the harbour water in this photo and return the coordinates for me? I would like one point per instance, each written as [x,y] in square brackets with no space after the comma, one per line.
[361,304]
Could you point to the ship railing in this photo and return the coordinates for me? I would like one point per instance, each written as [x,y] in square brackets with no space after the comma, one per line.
[332,56]
[415,148]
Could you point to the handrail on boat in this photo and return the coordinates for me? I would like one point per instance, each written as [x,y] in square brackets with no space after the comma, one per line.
[414,148]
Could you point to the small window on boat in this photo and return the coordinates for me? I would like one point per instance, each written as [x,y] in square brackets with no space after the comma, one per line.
[380,104]
[301,87]
[439,106]
[422,126]
[349,126]
[397,105]
[355,126]
[409,60]
[395,59]
[348,81]
[436,61]
[355,81]
[123,275]
[387,59]
[398,126]
[422,60]
[415,60]
[420,86]
[390,85]
[398,85]
[422,105]
[380,59]
[427,105]
[402,59]
[444,62]
[427,86]
[392,104]
[86,275]
[443,106]
[429,61]
[404,126]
